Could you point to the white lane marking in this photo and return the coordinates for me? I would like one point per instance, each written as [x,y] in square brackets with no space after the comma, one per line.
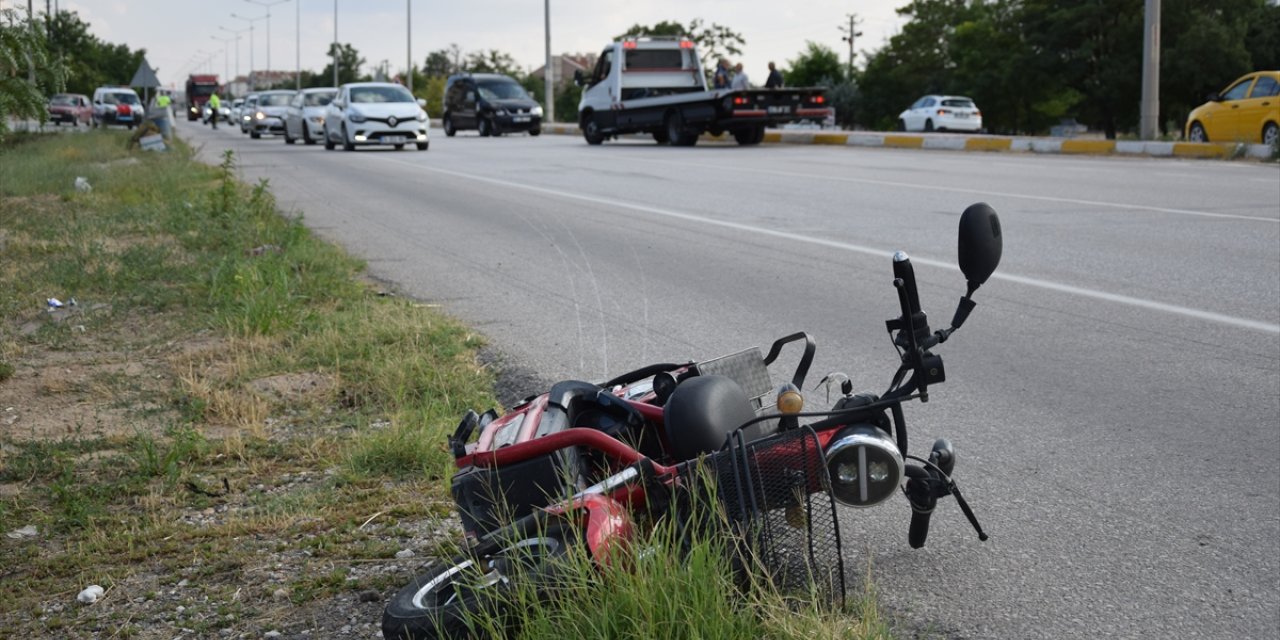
[977,192]
[1141,303]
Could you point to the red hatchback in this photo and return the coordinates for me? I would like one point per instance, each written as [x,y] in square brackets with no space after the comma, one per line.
[70,107]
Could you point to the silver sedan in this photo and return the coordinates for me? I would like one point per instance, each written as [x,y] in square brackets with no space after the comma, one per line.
[304,119]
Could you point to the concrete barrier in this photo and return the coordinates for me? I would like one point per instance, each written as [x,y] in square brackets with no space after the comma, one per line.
[961,142]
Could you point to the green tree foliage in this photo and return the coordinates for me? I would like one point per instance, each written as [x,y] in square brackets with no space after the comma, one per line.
[444,62]
[29,71]
[349,63]
[817,66]
[492,61]
[1029,63]
[90,62]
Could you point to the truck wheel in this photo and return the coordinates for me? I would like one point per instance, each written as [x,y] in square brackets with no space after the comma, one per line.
[754,135]
[677,134]
[591,130]
[449,131]
[486,127]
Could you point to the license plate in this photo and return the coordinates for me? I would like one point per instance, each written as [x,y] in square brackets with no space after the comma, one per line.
[393,139]
[962,115]
[520,119]
[780,109]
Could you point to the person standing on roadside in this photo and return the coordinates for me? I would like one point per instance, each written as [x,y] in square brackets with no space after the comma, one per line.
[215,103]
[162,115]
[775,78]
[740,80]
[720,80]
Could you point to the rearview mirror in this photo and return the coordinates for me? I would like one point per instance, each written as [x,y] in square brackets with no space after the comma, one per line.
[980,244]
[578,78]
[422,102]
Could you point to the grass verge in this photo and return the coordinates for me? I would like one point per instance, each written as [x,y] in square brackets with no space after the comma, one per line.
[225,426]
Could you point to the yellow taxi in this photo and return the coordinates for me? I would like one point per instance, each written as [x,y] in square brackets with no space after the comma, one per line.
[1247,111]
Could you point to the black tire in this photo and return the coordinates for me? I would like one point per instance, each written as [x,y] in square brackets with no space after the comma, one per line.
[347,144]
[399,147]
[447,124]
[131,126]
[423,146]
[1271,134]
[328,142]
[677,134]
[535,132]
[1197,133]
[306,135]
[591,130]
[434,606]
[287,138]
[255,135]
[751,136]
[928,124]
[486,127]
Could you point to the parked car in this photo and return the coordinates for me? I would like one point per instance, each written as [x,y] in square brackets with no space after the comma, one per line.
[304,119]
[116,105]
[491,103]
[70,107]
[267,115]
[1248,110]
[246,112]
[371,113]
[941,113]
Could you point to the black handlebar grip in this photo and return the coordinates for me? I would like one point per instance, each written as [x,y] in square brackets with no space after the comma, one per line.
[903,270]
[919,530]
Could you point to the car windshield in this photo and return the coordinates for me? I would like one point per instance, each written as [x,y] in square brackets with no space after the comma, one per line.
[63,100]
[500,90]
[958,102]
[275,100]
[319,99]
[366,95]
[120,98]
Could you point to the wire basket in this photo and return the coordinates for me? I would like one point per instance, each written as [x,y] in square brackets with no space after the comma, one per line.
[776,497]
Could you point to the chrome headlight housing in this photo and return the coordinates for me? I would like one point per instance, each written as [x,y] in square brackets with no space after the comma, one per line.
[355,116]
[422,115]
[865,466]
[537,111]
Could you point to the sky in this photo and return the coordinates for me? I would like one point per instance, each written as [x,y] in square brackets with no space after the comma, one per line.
[179,34]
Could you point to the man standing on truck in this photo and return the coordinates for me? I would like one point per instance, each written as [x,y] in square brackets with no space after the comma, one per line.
[215,103]
[775,78]
[721,78]
[740,81]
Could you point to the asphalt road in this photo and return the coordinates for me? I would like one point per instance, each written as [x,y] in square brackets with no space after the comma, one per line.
[1115,397]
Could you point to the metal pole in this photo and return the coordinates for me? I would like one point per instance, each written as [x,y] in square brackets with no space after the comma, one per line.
[297,45]
[548,75]
[1149,122]
[335,43]
[408,47]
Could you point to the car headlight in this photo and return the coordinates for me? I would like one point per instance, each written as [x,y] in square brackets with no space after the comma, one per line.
[537,110]
[422,115]
[260,115]
[501,112]
[317,119]
[355,116]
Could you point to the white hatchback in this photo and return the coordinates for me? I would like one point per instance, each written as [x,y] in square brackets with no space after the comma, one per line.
[941,113]
[375,113]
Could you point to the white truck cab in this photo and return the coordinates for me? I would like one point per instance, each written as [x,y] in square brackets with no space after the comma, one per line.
[656,85]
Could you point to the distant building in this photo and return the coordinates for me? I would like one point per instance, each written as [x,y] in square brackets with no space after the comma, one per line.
[263,80]
[237,88]
[563,66]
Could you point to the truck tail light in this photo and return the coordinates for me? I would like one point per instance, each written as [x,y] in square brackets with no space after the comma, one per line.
[686,44]
[629,44]
[819,99]
[739,100]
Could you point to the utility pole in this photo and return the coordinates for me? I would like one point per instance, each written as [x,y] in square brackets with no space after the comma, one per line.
[408,43]
[335,43]
[297,45]
[1149,121]
[548,75]
[267,5]
[851,33]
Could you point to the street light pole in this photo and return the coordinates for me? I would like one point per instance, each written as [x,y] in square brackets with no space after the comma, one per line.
[267,4]
[297,45]
[226,56]
[548,74]
[335,43]
[237,32]
[253,79]
[408,42]
[1149,122]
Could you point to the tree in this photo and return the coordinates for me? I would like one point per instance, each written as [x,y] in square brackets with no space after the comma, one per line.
[349,63]
[29,71]
[444,62]
[818,65]
[90,62]
[492,61]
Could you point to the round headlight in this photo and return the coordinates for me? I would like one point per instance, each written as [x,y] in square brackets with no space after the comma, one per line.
[537,110]
[864,464]
[260,115]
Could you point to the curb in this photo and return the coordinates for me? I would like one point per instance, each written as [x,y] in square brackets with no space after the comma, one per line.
[952,142]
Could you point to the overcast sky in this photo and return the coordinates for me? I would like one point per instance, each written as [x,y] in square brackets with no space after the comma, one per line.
[175,32]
